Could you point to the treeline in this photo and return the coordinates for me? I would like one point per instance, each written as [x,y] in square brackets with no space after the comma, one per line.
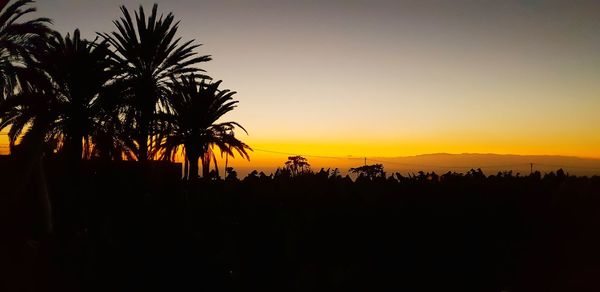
[320,232]
[299,166]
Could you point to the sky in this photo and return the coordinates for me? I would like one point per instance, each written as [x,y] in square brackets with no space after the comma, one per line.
[392,78]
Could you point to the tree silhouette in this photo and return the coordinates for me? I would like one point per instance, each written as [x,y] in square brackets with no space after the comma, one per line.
[297,165]
[147,56]
[17,39]
[369,171]
[61,86]
[192,124]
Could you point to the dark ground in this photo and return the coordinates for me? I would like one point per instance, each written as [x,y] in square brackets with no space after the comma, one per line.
[121,231]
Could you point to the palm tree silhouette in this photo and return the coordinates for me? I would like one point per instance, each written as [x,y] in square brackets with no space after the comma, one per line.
[17,39]
[147,56]
[61,87]
[191,124]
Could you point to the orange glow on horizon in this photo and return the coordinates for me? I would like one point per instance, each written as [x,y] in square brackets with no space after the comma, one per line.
[271,152]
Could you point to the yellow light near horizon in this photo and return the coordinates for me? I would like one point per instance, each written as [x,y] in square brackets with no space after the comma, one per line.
[339,152]
[408,147]
[3,143]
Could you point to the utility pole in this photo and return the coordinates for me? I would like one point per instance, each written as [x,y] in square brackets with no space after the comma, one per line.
[365,161]
[530,168]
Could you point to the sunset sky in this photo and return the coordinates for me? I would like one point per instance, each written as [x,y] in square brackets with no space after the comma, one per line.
[393,78]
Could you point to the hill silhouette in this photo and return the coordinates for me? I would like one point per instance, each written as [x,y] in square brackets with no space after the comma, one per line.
[492,163]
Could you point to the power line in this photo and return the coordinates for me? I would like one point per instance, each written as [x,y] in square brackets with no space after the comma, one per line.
[305,155]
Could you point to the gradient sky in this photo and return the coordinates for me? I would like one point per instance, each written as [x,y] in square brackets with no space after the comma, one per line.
[393,78]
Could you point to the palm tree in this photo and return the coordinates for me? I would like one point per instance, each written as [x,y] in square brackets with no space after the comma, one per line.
[62,85]
[79,70]
[192,124]
[17,39]
[147,56]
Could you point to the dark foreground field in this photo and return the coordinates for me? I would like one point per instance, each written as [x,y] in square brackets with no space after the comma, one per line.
[321,232]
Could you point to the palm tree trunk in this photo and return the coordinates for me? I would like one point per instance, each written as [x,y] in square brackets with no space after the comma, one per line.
[144,120]
[143,143]
[193,169]
[77,148]
[186,169]
[205,165]
[73,148]
[193,173]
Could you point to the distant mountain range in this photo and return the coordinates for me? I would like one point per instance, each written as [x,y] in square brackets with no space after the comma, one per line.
[491,163]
